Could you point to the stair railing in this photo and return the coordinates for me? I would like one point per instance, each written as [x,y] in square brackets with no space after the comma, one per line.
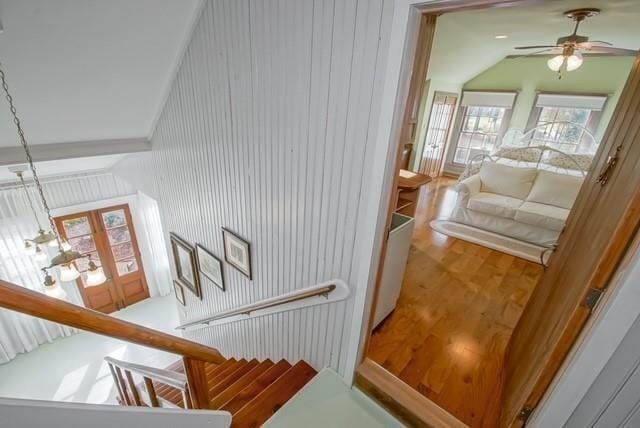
[195,355]
[320,290]
[128,393]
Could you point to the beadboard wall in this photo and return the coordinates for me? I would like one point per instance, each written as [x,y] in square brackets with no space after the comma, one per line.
[267,131]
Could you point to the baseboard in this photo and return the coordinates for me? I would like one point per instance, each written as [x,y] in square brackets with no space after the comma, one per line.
[401,400]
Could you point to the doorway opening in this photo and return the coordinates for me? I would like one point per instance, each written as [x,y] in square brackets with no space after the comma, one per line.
[514,162]
[107,237]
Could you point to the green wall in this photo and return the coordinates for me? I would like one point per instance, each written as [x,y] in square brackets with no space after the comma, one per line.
[528,75]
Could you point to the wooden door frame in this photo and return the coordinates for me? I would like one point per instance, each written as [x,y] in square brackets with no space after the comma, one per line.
[407,14]
[136,248]
[102,246]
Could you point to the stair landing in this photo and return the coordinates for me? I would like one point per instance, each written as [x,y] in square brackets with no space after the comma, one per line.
[327,401]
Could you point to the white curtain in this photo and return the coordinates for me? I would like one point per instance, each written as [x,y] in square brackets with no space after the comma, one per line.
[146,215]
[22,333]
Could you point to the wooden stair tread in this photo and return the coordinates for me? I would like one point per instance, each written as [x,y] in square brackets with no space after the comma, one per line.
[231,378]
[267,402]
[255,387]
[212,381]
[212,370]
[218,400]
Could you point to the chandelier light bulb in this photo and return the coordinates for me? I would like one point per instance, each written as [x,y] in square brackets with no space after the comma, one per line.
[68,272]
[53,289]
[40,255]
[66,246]
[95,275]
[29,249]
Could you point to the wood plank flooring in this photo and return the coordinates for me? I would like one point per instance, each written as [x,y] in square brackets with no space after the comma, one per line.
[457,309]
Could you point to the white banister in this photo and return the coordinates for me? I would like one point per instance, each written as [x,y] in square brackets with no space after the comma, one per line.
[34,413]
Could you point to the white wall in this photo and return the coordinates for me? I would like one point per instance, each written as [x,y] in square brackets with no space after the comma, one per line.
[268,131]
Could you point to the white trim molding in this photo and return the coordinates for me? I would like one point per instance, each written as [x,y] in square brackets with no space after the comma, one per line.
[78,149]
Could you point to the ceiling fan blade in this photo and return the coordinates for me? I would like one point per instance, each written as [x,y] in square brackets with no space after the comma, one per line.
[536,47]
[597,42]
[610,50]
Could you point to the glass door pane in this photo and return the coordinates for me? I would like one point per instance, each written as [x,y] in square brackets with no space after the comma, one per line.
[81,236]
[119,237]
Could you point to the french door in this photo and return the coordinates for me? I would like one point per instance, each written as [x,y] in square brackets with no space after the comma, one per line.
[440,118]
[108,237]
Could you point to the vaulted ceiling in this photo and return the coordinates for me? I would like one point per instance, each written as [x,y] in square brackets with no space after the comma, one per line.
[465,43]
[88,69]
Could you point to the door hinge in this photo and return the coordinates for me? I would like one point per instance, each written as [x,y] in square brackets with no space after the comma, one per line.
[525,414]
[592,298]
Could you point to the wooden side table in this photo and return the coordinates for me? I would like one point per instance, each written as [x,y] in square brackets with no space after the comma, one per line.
[408,191]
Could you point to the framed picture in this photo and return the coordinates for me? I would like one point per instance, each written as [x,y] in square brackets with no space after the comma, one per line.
[179,292]
[210,266]
[237,252]
[184,256]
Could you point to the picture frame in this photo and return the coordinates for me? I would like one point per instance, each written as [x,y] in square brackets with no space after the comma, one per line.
[210,266]
[237,252]
[179,291]
[184,257]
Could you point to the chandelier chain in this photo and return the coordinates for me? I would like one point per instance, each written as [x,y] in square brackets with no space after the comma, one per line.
[26,191]
[23,141]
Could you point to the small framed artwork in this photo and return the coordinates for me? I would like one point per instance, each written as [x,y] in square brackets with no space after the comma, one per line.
[210,266]
[237,252]
[179,292]
[184,256]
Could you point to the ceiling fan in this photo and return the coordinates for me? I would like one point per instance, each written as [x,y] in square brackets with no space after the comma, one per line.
[569,49]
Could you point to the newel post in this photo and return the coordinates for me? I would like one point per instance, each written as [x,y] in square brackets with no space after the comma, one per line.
[197,379]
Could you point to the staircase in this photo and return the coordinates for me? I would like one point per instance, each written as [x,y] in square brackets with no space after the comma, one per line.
[252,391]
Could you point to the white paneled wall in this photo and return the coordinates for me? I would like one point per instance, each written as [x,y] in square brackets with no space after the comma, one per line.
[267,131]
[83,189]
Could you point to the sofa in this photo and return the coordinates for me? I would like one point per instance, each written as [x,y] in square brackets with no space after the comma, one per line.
[527,204]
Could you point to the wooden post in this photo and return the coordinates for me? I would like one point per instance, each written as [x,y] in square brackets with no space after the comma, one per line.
[151,391]
[197,379]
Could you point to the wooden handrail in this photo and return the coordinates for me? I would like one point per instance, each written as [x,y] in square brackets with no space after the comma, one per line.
[168,377]
[21,299]
[268,303]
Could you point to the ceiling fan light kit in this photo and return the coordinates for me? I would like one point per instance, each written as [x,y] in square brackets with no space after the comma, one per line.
[569,49]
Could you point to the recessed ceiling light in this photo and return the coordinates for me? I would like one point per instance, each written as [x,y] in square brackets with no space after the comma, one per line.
[502,36]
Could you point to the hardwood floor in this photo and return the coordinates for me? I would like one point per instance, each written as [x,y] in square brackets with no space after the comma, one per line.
[457,309]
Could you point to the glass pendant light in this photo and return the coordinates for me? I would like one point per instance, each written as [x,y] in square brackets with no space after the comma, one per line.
[52,288]
[68,272]
[40,254]
[574,61]
[556,62]
[65,258]
[95,274]
[29,248]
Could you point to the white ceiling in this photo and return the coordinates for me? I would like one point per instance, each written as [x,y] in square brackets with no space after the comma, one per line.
[465,43]
[88,69]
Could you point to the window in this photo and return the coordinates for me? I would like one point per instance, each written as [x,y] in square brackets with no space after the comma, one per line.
[484,118]
[566,122]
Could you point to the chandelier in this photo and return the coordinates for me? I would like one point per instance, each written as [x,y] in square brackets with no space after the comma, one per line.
[65,260]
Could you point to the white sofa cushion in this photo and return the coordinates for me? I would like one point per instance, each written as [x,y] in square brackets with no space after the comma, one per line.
[542,215]
[506,180]
[497,205]
[551,188]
